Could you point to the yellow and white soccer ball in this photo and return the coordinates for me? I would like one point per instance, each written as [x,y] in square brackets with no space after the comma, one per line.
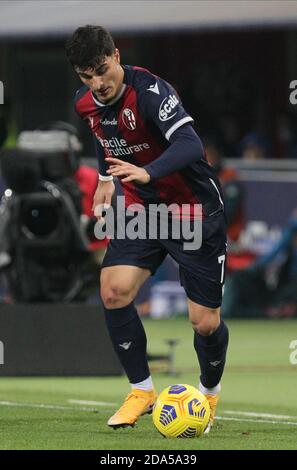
[181,411]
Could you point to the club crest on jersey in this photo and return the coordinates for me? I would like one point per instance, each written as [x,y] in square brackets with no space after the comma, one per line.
[166,107]
[129,119]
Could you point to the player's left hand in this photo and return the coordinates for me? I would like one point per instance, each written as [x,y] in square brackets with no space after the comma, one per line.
[129,171]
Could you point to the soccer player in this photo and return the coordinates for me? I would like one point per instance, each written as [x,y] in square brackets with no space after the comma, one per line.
[144,137]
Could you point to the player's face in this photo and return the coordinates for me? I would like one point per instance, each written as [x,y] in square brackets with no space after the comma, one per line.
[106,79]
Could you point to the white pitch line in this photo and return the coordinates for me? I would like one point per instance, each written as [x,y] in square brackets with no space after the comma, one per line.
[266,421]
[91,403]
[70,408]
[258,415]
[44,406]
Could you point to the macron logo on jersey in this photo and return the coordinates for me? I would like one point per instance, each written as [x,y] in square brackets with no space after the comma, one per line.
[154,88]
[126,346]
[167,106]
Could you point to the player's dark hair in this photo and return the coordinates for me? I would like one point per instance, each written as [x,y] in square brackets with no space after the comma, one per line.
[88,46]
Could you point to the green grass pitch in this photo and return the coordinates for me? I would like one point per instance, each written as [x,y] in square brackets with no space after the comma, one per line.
[257,410]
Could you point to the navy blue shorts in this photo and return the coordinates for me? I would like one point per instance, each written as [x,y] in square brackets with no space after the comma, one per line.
[201,271]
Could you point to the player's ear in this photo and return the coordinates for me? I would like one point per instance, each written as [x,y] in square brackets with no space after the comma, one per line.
[117,55]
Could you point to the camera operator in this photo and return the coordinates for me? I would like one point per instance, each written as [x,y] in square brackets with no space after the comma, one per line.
[86,179]
[50,198]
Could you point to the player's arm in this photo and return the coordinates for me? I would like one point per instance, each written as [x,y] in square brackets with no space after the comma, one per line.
[105,189]
[164,108]
[127,171]
[186,148]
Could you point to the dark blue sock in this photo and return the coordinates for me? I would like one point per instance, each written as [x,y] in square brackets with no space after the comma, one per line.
[129,341]
[211,351]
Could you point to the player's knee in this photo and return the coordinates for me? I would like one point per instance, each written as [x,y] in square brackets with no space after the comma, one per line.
[206,324]
[204,327]
[115,296]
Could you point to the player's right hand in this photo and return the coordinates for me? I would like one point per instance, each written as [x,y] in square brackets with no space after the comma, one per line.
[102,198]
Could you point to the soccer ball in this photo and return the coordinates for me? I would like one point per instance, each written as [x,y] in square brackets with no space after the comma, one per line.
[181,411]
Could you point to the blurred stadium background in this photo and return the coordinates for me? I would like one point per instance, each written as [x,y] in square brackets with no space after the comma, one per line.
[233,64]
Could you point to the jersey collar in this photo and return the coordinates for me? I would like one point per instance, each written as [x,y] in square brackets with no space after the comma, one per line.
[115,99]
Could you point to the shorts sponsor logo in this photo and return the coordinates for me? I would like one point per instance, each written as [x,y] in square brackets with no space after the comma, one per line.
[167,106]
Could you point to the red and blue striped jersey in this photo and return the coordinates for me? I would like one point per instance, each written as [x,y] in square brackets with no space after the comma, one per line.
[136,126]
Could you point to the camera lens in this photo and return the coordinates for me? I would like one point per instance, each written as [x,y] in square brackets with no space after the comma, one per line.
[40,221]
